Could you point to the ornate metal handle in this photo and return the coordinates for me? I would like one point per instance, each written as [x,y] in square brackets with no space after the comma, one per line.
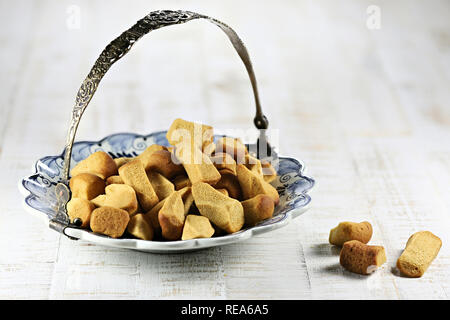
[116,50]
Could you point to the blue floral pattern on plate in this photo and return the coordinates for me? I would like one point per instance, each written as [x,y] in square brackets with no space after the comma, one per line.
[39,192]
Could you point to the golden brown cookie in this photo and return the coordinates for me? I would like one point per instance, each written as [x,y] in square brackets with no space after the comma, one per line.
[253,164]
[145,156]
[234,147]
[171,217]
[109,221]
[134,175]
[99,163]
[224,162]
[223,211]
[114,180]
[152,217]
[162,186]
[347,231]
[161,161]
[257,209]
[421,249]
[181,181]
[182,132]
[252,184]
[187,197]
[81,209]
[200,170]
[231,184]
[140,228]
[86,186]
[197,227]
[120,196]
[121,161]
[361,258]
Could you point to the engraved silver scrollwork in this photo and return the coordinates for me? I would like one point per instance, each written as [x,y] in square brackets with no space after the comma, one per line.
[116,50]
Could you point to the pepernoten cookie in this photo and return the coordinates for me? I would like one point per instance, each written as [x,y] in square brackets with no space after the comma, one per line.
[86,186]
[223,211]
[81,209]
[257,209]
[171,217]
[140,227]
[347,231]
[197,227]
[134,175]
[421,249]
[109,221]
[252,184]
[99,163]
[119,196]
[361,258]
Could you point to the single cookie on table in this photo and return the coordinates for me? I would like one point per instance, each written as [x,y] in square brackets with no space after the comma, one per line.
[109,221]
[257,209]
[78,208]
[347,231]
[99,163]
[223,211]
[361,258]
[120,196]
[197,227]
[134,175]
[161,162]
[162,186]
[252,184]
[86,186]
[140,227]
[114,180]
[224,162]
[145,156]
[171,217]
[421,249]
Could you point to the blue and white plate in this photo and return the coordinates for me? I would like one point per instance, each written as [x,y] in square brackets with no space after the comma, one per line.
[40,198]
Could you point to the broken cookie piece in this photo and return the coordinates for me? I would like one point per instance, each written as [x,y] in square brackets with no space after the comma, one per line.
[347,231]
[361,258]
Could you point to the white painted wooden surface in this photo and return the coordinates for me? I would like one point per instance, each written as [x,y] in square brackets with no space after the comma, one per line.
[366,109]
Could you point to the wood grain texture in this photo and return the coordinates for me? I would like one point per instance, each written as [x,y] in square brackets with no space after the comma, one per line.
[366,110]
